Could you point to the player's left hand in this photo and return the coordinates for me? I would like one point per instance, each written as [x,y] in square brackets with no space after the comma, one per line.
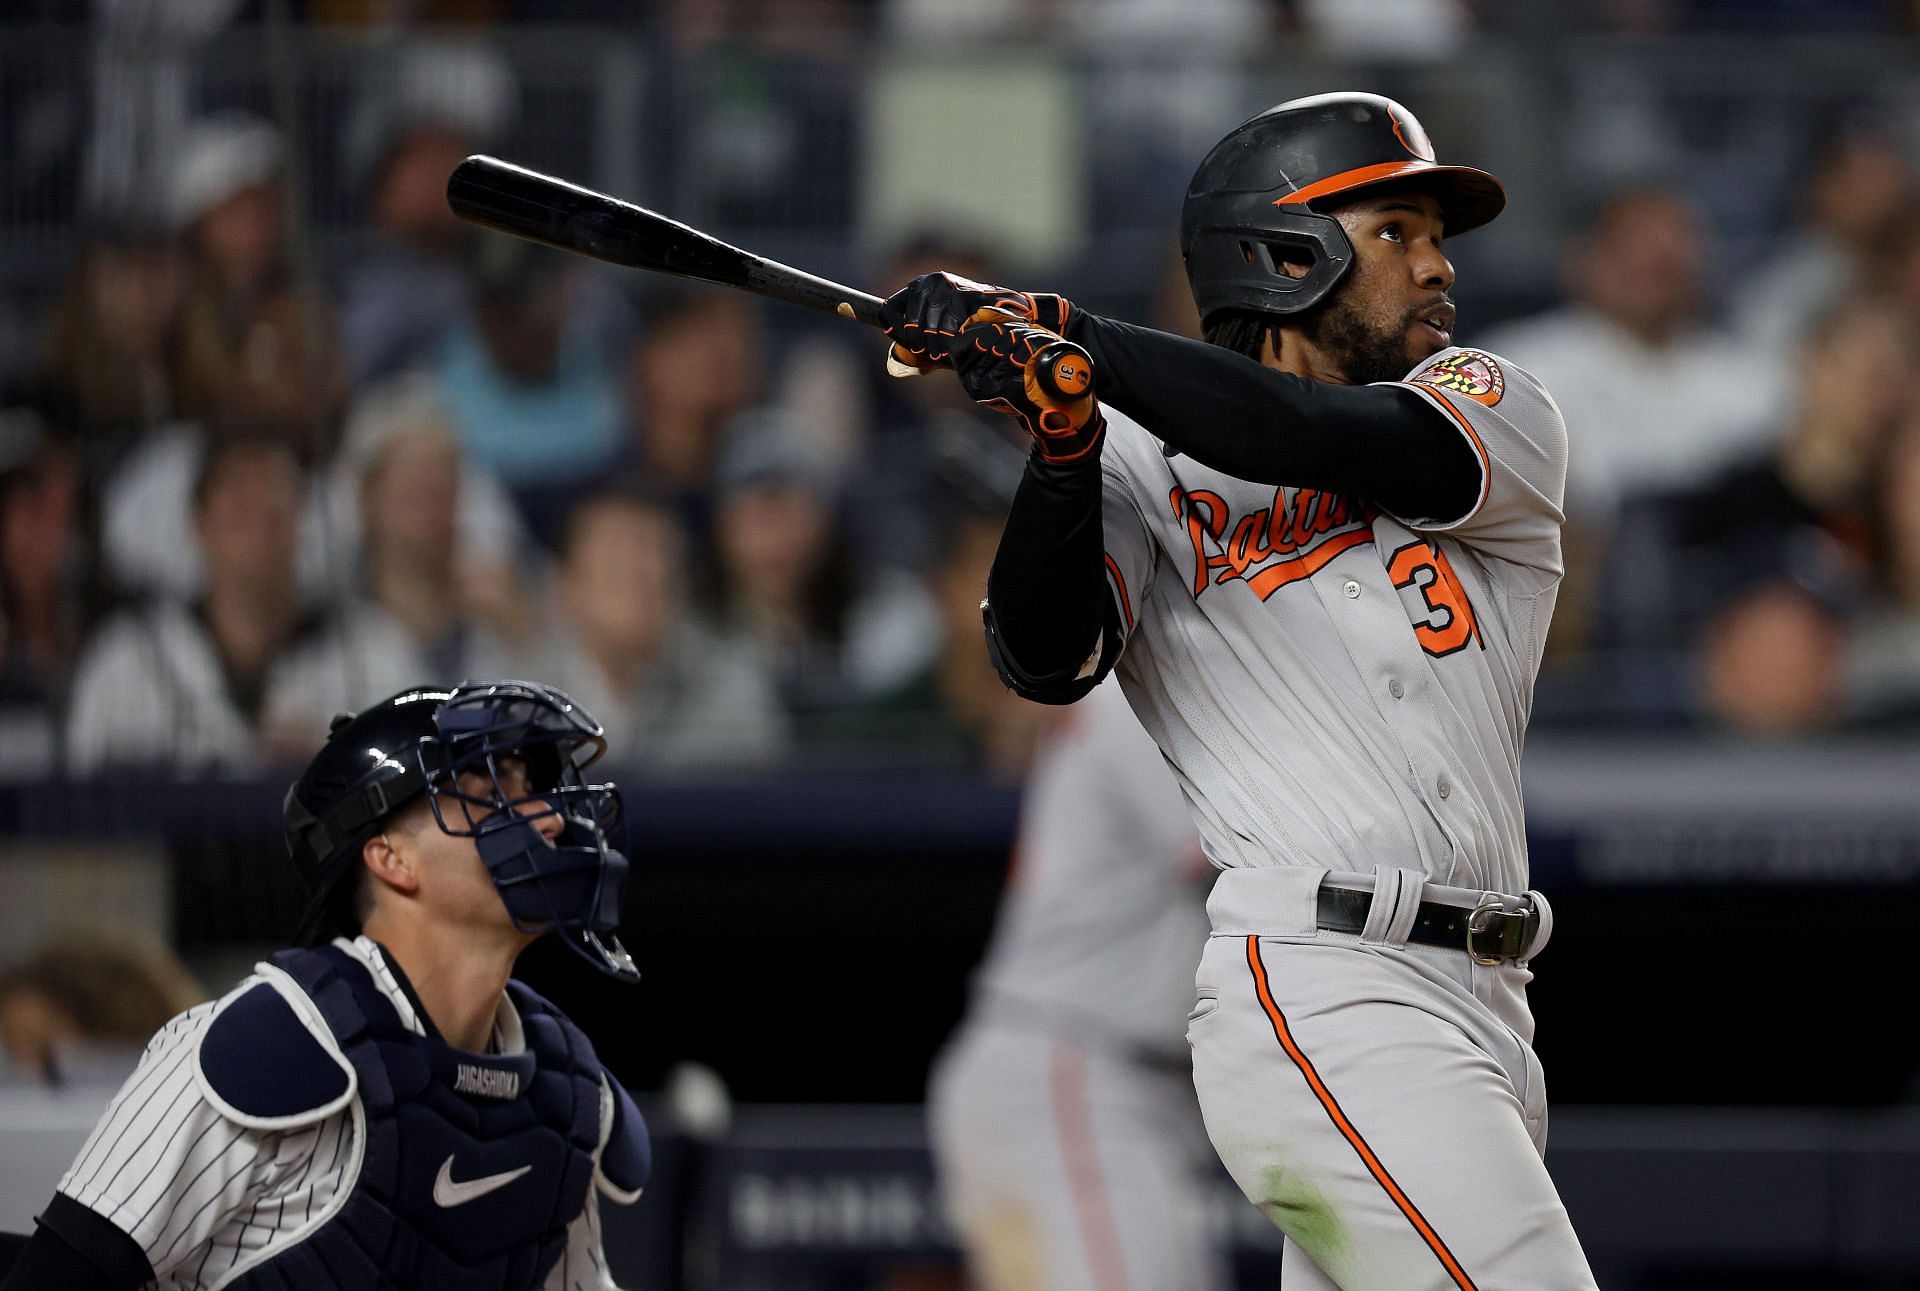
[1015,367]
[925,317]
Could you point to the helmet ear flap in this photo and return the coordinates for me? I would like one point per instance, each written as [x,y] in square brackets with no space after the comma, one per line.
[1238,259]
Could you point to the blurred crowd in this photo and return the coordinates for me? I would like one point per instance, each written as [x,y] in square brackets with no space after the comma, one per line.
[238,496]
[1743,531]
[250,478]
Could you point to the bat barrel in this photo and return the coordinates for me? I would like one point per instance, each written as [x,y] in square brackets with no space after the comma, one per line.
[512,199]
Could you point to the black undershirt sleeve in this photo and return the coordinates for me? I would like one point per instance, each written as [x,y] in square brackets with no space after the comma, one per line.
[1047,593]
[1382,443]
[77,1250]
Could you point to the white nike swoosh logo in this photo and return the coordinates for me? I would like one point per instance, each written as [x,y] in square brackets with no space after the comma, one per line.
[448,1194]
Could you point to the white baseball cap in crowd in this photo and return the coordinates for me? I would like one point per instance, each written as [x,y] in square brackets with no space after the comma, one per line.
[221,156]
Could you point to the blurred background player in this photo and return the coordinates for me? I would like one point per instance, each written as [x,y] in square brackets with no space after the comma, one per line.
[1066,1136]
[79,1008]
[387,1109]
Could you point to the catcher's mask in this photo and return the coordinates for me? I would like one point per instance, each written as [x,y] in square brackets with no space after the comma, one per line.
[425,742]
[1257,199]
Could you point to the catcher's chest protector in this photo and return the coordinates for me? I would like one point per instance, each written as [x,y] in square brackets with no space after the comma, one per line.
[473,1166]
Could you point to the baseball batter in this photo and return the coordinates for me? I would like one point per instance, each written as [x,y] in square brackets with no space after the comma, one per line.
[1065,1132]
[1324,577]
[387,1109]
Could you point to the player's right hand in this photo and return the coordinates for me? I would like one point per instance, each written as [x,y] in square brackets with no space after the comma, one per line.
[924,318]
[1008,364]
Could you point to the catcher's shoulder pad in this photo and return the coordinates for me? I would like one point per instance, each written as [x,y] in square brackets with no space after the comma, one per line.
[266,1060]
[626,1158]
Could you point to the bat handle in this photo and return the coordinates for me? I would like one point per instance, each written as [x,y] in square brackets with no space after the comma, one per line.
[1063,372]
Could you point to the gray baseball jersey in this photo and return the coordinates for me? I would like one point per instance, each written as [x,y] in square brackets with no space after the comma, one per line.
[1335,686]
[208,1198]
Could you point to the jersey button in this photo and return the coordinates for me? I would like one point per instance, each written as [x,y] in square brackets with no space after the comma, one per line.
[1351,588]
[1395,689]
[1446,787]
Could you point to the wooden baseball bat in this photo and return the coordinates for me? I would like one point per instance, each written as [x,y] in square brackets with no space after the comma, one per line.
[500,195]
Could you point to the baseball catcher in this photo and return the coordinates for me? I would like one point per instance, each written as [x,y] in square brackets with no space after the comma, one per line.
[383,1107]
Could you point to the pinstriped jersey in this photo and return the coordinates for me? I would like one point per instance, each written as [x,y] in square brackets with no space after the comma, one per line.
[1333,685]
[207,1198]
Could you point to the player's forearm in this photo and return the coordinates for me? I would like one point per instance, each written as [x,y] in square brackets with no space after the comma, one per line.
[1380,443]
[1048,588]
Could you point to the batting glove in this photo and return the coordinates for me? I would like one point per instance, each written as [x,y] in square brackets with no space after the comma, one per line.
[1015,367]
[924,318]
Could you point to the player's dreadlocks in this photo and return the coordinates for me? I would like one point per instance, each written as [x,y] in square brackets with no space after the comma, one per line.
[1244,331]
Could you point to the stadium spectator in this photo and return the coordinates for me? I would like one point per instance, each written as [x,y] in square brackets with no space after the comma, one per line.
[406,279]
[535,398]
[409,280]
[455,604]
[146,522]
[79,1009]
[671,696]
[241,678]
[43,590]
[836,628]
[1654,398]
[1772,658]
[257,348]
[830,382]
[1852,198]
[697,363]
[889,437]
[1855,375]
[112,339]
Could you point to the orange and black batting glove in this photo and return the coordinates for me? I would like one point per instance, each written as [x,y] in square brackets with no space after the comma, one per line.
[925,317]
[1028,372]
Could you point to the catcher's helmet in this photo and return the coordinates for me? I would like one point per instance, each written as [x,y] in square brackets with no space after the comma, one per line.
[1253,199]
[419,742]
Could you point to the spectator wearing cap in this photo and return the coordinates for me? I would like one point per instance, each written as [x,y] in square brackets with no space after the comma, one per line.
[619,640]
[241,678]
[784,579]
[256,348]
[438,556]
[532,390]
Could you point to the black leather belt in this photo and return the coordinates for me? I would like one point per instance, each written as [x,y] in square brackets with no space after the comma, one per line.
[1492,933]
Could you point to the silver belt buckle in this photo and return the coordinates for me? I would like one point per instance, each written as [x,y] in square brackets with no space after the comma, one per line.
[1504,922]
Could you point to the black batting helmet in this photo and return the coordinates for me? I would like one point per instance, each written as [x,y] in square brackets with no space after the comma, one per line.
[1253,200]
